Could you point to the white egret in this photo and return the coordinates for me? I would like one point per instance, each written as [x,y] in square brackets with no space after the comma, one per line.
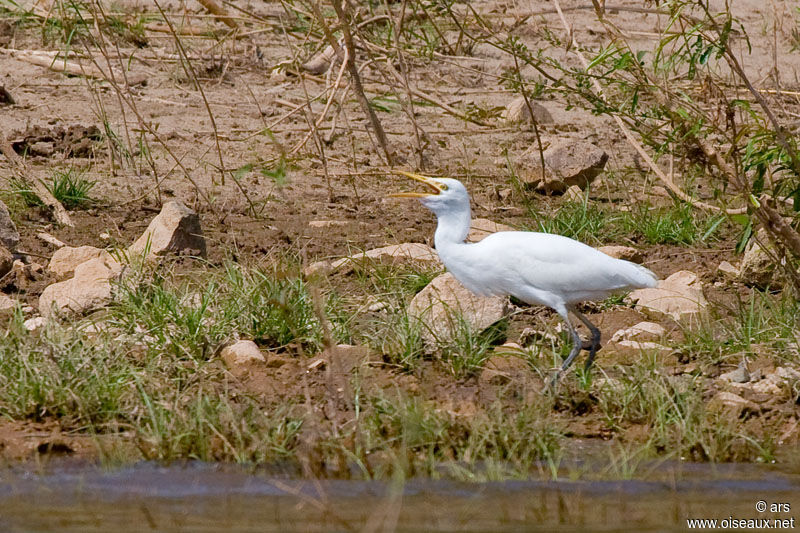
[537,268]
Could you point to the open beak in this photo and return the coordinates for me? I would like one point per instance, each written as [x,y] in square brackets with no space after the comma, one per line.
[435,187]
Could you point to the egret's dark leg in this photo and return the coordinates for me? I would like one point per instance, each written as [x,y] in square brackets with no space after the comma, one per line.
[577,345]
[576,348]
[595,342]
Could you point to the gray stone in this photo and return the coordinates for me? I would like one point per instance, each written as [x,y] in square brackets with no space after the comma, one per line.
[739,375]
[9,236]
[567,163]
[175,230]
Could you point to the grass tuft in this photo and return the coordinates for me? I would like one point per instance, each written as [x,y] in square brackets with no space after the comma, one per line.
[68,187]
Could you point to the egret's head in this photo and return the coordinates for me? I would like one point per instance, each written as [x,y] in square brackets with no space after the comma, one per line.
[442,194]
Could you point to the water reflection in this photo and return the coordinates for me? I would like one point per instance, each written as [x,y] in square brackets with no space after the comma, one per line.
[70,497]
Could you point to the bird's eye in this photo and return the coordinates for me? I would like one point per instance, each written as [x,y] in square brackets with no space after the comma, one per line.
[443,187]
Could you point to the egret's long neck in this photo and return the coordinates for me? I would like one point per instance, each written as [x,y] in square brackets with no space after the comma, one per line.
[452,228]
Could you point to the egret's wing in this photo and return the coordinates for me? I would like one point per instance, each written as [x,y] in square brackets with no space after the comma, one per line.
[551,263]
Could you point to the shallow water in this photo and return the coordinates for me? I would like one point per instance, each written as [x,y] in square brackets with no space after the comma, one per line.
[201,497]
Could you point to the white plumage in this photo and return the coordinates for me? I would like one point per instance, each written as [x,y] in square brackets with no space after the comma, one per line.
[537,268]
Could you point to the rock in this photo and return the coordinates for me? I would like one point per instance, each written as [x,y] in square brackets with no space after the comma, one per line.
[642,332]
[518,111]
[758,263]
[727,270]
[530,336]
[94,329]
[242,357]
[49,239]
[639,346]
[317,267]
[42,149]
[23,274]
[7,304]
[377,307]
[5,39]
[396,253]
[775,383]
[574,194]
[628,253]
[566,163]
[731,403]
[65,259]
[327,223]
[176,229]
[502,369]
[483,227]
[680,297]
[408,251]
[769,385]
[442,305]
[509,347]
[89,289]
[6,261]
[740,375]
[9,236]
[34,324]
[787,374]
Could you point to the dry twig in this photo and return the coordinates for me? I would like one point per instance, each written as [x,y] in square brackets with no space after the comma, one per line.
[383,141]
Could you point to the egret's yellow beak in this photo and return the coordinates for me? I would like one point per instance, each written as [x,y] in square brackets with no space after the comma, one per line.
[435,187]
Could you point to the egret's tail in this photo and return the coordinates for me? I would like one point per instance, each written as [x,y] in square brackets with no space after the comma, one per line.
[641,277]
